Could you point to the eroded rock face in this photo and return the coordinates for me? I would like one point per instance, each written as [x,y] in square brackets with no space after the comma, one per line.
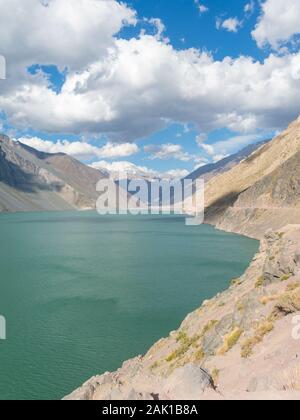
[31,180]
[187,382]
[262,191]
[236,345]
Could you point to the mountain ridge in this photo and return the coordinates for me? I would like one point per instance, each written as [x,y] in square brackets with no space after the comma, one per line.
[224,165]
[246,198]
[31,180]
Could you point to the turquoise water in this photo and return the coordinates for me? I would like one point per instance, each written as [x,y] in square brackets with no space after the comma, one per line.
[81,293]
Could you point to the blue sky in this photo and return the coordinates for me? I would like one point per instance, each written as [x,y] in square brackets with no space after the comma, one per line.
[165,85]
[189,28]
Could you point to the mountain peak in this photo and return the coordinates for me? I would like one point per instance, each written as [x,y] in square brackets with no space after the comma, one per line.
[31,180]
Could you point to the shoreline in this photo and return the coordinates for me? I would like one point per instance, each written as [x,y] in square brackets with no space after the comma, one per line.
[214,338]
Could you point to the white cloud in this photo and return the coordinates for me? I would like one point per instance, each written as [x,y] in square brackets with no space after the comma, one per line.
[217,158]
[111,150]
[201,7]
[278,23]
[121,169]
[209,149]
[177,173]
[61,32]
[249,8]
[160,28]
[230,24]
[138,86]
[222,149]
[167,151]
[2,67]
[81,150]
[200,139]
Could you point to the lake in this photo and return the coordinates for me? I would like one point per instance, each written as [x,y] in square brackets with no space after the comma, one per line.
[81,293]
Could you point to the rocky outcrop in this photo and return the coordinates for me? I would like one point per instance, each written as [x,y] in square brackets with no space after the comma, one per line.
[32,180]
[273,201]
[238,345]
[261,192]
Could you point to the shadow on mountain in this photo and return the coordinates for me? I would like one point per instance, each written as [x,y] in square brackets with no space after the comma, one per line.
[221,205]
[15,177]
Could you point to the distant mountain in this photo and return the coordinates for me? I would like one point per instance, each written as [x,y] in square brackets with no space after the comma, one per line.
[209,171]
[262,191]
[32,181]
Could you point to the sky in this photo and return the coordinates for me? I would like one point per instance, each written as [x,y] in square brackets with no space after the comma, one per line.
[156,86]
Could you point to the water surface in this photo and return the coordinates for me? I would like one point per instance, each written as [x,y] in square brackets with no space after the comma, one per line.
[82,293]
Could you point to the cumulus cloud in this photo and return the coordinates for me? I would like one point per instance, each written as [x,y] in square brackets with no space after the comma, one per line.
[230,24]
[200,139]
[81,150]
[119,169]
[160,29]
[222,149]
[167,151]
[144,83]
[278,23]
[61,32]
[128,89]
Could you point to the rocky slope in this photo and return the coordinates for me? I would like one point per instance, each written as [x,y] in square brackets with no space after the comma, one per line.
[238,345]
[36,181]
[260,192]
[273,201]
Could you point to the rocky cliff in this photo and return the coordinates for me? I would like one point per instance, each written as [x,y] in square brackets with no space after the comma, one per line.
[239,345]
[262,191]
[34,181]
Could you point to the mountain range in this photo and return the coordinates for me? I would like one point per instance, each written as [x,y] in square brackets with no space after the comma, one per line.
[31,180]
[256,189]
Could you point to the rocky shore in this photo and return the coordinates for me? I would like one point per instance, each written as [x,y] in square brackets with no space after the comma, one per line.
[243,344]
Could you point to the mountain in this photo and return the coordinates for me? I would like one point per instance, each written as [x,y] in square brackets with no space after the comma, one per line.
[209,171]
[262,191]
[35,181]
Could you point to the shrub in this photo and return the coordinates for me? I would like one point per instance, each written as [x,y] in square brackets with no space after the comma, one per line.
[199,355]
[266,299]
[288,303]
[208,327]
[293,286]
[154,366]
[259,282]
[185,344]
[230,340]
[241,307]
[285,277]
[215,375]
[261,331]
[236,282]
